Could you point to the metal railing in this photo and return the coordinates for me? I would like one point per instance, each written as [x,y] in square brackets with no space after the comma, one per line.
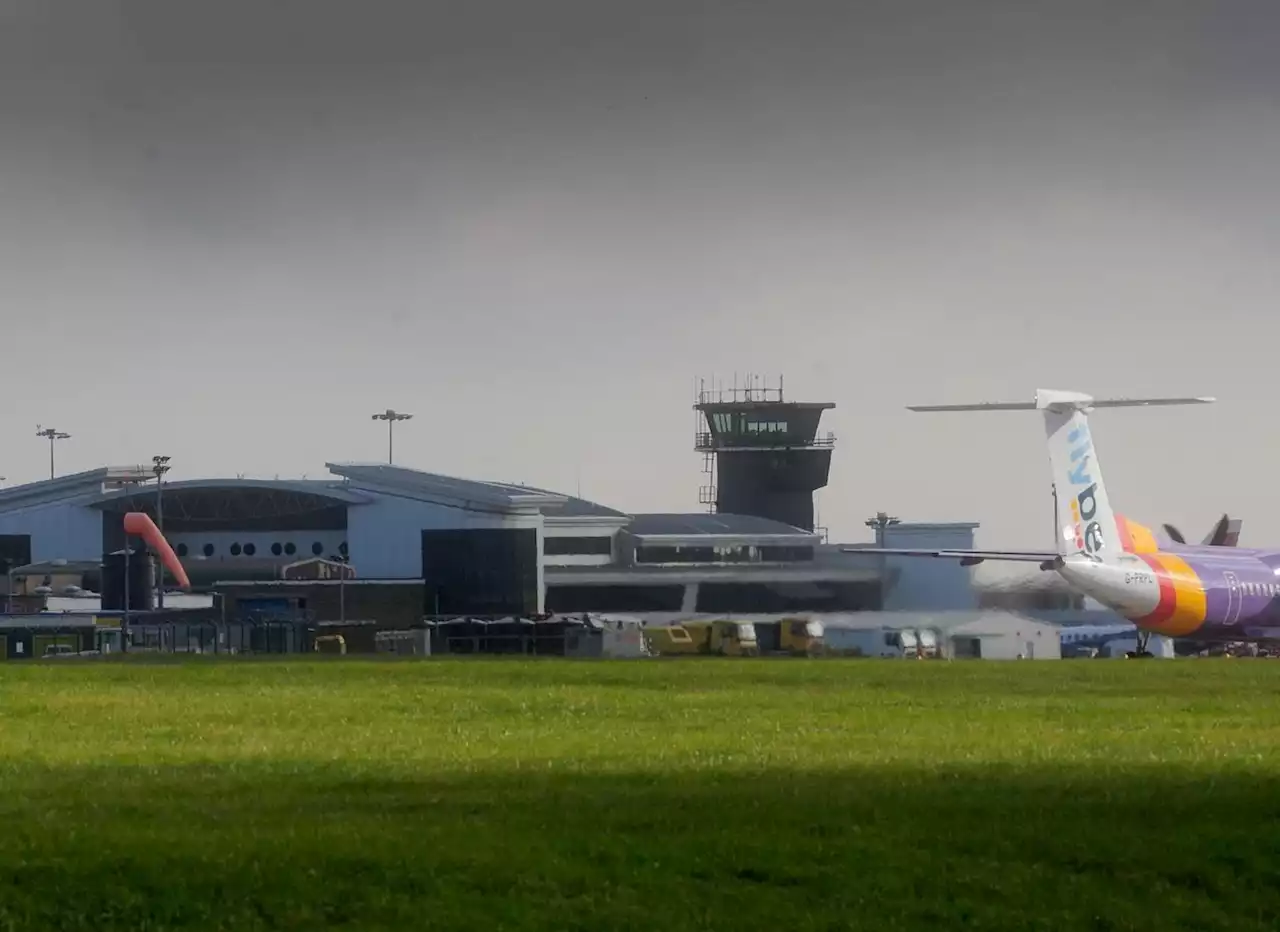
[707,441]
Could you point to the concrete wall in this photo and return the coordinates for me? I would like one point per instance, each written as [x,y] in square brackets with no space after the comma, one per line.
[59,530]
[924,584]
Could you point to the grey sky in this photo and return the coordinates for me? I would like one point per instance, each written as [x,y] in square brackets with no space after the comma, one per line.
[231,231]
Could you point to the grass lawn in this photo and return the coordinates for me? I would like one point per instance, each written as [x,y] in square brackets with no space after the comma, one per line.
[667,795]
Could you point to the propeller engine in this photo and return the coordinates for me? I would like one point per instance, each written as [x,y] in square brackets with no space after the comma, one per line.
[1226,533]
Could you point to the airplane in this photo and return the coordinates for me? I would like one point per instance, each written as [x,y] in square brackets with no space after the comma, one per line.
[1206,592]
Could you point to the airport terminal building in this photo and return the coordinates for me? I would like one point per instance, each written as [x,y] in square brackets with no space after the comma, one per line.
[489,548]
[481,548]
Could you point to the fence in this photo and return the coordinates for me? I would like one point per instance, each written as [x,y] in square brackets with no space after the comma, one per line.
[553,637]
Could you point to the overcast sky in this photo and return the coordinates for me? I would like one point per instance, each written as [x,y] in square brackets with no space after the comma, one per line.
[231,231]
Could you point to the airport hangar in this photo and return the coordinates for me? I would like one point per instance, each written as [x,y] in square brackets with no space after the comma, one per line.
[478,547]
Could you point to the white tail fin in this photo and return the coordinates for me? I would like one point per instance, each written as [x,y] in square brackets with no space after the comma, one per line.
[1086,523]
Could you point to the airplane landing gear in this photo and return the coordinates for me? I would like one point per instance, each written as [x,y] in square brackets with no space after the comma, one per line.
[1141,653]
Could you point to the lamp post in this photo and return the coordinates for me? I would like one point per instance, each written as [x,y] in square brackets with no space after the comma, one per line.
[160,466]
[391,416]
[51,434]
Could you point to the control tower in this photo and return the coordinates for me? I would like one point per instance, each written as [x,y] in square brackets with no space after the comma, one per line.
[764,451]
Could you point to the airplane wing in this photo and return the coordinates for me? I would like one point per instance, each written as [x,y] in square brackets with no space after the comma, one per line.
[965,556]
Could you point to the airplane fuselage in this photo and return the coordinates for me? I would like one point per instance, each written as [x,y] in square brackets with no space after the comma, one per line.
[1203,592]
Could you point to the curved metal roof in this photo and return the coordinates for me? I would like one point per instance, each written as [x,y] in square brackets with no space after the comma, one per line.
[428,486]
[321,488]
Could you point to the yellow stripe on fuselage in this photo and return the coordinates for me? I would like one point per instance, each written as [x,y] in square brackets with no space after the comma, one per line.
[1190,602]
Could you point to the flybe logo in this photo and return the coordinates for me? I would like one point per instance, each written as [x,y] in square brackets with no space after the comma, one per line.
[1084,504]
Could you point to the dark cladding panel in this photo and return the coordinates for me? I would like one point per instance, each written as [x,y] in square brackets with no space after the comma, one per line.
[577,546]
[15,551]
[480,571]
[233,508]
[776,484]
[141,581]
[603,598]
[113,535]
[825,596]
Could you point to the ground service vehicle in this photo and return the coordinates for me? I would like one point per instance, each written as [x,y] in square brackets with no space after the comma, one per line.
[801,637]
[909,643]
[726,638]
[927,643]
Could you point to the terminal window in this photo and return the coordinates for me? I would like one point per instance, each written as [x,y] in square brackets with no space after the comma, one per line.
[577,546]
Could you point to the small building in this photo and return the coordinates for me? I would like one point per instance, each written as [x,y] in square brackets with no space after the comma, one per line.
[927,585]
[29,637]
[391,603]
[954,634]
[1004,636]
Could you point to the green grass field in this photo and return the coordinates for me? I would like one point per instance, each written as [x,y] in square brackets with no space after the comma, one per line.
[780,795]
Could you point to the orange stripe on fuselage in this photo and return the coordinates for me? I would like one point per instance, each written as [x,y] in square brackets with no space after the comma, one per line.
[1136,538]
[1182,605]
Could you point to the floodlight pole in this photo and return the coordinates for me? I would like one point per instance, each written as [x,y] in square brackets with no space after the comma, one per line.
[881,521]
[160,466]
[391,416]
[124,622]
[51,434]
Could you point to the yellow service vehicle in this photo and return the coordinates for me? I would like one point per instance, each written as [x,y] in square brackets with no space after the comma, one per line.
[726,638]
[797,637]
[802,636]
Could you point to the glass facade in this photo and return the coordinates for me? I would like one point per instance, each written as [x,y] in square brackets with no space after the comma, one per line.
[480,571]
